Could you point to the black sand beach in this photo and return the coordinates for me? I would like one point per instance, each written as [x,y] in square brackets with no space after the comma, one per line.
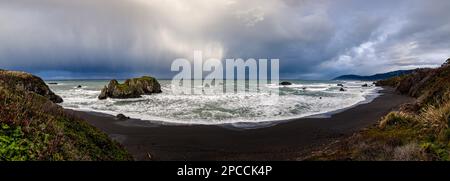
[284,141]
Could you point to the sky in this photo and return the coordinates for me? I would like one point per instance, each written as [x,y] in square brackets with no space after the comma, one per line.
[314,39]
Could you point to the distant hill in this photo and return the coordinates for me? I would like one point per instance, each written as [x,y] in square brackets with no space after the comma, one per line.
[380,76]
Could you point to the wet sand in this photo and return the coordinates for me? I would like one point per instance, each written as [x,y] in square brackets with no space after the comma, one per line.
[284,141]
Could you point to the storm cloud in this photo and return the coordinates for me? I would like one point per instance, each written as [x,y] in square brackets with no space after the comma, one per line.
[314,39]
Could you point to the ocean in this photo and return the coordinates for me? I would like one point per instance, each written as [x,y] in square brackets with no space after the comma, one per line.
[301,99]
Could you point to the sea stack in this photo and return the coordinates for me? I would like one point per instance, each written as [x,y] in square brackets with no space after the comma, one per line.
[131,88]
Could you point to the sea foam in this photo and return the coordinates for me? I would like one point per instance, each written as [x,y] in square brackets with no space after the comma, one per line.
[301,99]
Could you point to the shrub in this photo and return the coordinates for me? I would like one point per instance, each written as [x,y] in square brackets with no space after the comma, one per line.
[396,119]
[437,151]
[436,119]
[408,152]
[13,145]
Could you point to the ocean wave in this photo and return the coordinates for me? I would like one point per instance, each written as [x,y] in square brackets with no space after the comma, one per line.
[249,107]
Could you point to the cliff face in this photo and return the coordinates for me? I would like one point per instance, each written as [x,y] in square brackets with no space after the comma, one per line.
[429,86]
[28,82]
[32,127]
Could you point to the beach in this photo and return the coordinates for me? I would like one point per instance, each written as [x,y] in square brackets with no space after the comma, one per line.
[287,140]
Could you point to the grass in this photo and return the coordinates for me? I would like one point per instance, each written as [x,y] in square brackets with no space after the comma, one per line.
[399,136]
[127,86]
[13,144]
[396,118]
[34,128]
[123,87]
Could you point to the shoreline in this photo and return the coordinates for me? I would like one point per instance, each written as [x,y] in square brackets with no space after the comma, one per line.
[243,124]
[285,140]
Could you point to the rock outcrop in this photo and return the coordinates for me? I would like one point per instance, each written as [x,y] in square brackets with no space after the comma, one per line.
[411,84]
[285,83]
[131,88]
[28,82]
[34,128]
[122,117]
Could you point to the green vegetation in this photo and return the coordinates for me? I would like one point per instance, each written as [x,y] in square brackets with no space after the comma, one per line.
[141,79]
[13,144]
[34,128]
[123,87]
[129,84]
[418,131]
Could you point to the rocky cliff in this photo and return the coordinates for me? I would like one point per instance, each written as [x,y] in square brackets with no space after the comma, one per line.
[28,82]
[429,86]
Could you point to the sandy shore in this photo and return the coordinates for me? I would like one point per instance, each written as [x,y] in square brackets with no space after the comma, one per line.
[284,141]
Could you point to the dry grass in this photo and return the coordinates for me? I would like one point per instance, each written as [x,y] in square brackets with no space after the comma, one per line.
[397,118]
[18,74]
[409,152]
[436,119]
[399,136]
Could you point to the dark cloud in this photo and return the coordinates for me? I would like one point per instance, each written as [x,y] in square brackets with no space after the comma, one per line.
[313,39]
